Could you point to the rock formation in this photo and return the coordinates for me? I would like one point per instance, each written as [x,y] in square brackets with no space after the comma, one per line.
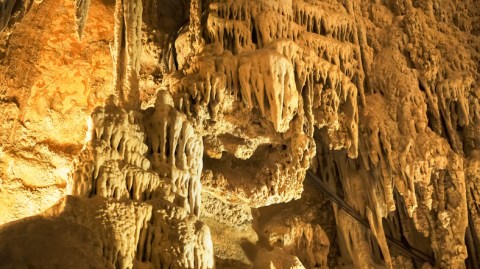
[318,133]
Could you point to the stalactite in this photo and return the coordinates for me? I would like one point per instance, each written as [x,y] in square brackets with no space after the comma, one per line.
[12,11]
[176,150]
[379,98]
[165,189]
[271,25]
[126,52]
[81,15]
[233,35]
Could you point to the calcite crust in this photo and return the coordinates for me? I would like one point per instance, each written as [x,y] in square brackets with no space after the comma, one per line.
[119,115]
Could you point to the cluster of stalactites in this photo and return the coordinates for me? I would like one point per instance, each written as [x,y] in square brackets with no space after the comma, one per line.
[247,10]
[117,163]
[176,150]
[235,20]
[309,48]
[421,167]
[113,163]
[271,79]
[263,79]
[452,104]
[332,96]
[472,178]
[267,81]
[403,166]
[447,74]
[233,35]
[119,236]
[320,19]
[270,25]
[160,184]
[428,175]
[153,158]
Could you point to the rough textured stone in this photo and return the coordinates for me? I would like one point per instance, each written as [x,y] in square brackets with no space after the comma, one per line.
[234,101]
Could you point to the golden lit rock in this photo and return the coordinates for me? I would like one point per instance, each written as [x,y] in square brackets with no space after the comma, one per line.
[239,134]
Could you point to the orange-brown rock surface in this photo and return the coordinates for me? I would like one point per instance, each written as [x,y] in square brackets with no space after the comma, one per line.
[120,116]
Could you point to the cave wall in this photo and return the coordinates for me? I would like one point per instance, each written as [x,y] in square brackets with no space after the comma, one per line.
[121,116]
